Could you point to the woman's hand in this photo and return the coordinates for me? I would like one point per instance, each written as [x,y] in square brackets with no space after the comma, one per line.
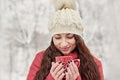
[72,71]
[57,70]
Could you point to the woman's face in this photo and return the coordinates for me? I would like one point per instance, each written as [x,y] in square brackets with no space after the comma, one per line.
[64,42]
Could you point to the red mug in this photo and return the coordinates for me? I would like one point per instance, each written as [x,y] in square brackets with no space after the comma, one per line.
[66,59]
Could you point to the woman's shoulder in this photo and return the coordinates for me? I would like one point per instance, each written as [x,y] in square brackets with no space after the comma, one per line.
[40,53]
[98,61]
[38,58]
[99,64]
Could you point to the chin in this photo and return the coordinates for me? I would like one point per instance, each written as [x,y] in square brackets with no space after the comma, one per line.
[66,52]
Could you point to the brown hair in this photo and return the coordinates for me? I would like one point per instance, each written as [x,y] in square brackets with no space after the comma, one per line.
[88,68]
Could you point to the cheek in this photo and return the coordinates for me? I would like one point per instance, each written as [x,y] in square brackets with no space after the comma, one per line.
[56,42]
[73,43]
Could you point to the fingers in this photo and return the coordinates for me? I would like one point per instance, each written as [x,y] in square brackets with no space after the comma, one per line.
[57,70]
[67,76]
[71,67]
[61,76]
[72,71]
[74,67]
[54,65]
[59,73]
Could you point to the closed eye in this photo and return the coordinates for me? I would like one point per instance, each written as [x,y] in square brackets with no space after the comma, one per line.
[70,36]
[57,37]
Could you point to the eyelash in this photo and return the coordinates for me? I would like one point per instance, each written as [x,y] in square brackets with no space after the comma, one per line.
[67,37]
[70,37]
[57,38]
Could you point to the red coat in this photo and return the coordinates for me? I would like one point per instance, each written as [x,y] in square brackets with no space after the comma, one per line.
[36,65]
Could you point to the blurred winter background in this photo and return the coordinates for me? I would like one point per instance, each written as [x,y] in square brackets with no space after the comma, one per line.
[23,33]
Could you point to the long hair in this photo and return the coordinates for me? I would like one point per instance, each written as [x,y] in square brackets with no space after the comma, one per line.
[88,68]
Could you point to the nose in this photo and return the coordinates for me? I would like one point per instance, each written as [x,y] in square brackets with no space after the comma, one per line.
[64,43]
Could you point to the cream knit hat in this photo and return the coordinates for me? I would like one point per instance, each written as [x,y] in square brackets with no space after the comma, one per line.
[66,19]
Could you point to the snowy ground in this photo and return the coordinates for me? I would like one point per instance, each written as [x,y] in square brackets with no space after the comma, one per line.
[23,32]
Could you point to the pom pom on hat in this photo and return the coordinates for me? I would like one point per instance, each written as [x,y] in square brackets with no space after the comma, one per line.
[60,4]
[65,19]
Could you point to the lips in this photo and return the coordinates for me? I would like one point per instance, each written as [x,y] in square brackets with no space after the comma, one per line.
[65,49]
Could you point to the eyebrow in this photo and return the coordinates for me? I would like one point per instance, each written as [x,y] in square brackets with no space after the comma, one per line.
[58,34]
[66,34]
[69,34]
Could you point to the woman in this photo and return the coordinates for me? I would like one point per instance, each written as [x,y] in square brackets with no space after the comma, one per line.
[66,29]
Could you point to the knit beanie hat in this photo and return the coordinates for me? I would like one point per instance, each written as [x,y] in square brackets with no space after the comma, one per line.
[66,19]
